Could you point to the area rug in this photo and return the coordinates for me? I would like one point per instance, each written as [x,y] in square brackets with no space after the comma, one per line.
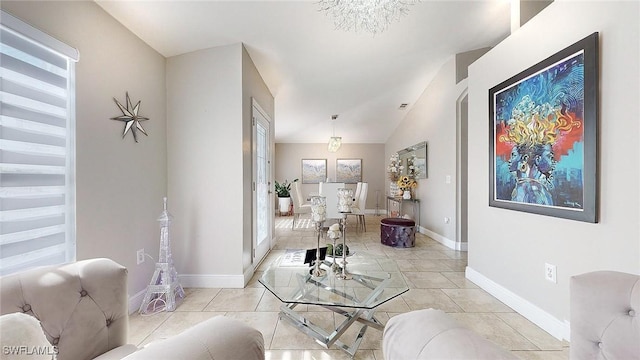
[293,257]
[285,223]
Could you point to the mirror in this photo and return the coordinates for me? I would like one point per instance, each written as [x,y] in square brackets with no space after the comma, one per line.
[414,159]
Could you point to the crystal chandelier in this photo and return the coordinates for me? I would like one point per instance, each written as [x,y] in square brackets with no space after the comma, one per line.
[335,141]
[373,16]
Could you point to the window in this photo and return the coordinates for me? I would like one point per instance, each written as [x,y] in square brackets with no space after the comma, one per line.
[37,148]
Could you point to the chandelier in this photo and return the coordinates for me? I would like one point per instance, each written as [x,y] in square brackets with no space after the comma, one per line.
[373,16]
[335,141]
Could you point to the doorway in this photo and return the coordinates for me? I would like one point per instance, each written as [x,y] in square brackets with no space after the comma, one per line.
[262,214]
[462,136]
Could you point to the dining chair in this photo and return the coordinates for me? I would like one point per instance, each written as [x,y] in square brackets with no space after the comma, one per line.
[360,207]
[356,194]
[299,206]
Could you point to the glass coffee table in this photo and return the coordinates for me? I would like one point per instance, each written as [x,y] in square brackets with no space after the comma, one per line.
[372,282]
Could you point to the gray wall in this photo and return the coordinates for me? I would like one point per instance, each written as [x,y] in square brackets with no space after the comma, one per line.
[433,119]
[119,184]
[288,166]
[508,249]
[209,96]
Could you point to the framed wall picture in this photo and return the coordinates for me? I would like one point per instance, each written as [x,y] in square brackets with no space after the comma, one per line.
[349,171]
[543,136]
[314,171]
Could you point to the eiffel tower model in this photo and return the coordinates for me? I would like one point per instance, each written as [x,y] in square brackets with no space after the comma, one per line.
[164,286]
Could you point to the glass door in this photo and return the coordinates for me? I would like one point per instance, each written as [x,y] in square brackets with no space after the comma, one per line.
[262,186]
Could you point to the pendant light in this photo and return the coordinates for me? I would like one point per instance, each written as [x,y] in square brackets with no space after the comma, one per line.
[335,141]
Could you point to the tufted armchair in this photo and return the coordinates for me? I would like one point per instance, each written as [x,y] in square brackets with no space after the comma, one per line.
[604,316]
[83,310]
[604,326]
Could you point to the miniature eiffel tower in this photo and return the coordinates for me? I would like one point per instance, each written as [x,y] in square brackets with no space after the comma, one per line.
[164,286]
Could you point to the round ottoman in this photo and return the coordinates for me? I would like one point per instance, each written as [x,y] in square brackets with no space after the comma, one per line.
[398,232]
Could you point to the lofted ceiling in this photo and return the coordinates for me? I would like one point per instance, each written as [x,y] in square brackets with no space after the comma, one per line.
[315,71]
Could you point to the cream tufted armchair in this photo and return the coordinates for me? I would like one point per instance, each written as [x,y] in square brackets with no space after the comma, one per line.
[604,316]
[604,326]
[83,310]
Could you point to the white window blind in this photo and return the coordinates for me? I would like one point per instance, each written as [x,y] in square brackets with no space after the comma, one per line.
[37,148]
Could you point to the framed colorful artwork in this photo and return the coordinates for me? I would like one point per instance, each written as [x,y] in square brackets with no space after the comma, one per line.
[543,136]
[314,171]
[349,171]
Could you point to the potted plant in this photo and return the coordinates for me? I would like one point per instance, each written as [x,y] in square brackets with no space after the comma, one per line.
[283,190]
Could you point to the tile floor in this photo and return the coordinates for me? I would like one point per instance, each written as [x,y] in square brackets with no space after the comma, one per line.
[433,272]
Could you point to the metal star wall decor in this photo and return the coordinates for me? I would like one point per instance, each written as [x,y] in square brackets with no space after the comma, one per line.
[130,118]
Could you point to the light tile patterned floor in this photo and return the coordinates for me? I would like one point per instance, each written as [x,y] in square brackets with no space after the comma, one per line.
[434,273]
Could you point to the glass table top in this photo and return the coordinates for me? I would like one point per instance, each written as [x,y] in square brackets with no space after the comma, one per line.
[374,280]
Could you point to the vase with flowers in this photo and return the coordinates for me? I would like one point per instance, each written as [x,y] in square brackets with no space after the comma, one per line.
[407,185]
[394,170]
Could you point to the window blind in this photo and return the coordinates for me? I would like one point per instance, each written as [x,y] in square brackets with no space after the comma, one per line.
[37,148]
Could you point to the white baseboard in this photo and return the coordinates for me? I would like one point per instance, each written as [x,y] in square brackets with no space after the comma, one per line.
[549,323]
[454,245]
[248,274]
[136,300]
[212,281]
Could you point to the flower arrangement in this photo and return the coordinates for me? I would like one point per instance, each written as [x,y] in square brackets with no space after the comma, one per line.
[406,183]
[395,167]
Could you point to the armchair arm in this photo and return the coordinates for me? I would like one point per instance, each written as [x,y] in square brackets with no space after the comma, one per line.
[219,338]
[604,310]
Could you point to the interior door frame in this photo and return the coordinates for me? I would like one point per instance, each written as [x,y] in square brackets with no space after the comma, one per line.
[255,257]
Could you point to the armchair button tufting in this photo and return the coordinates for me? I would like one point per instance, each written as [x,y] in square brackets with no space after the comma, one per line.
[632,313]
[55,341]
[600,345]
[26,308]
[108,322]
[83,293]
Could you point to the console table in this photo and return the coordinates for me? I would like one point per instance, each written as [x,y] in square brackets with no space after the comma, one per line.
[400,200]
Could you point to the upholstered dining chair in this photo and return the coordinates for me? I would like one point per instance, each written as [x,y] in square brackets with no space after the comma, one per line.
[359,207]
[299,206]
[356,194]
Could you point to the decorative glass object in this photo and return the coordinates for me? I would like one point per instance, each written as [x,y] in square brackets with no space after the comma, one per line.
[318,208]
[343,274]
[393,189]
[318,214]
[164,286]
[345,199]
[334,233]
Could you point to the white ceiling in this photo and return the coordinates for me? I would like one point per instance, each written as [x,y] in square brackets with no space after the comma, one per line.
[315,71]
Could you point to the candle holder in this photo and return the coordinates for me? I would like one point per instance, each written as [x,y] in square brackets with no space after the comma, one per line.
[334,233]
[345,199]
[318,215]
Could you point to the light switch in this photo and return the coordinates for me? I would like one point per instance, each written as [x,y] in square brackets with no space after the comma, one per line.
[447,179]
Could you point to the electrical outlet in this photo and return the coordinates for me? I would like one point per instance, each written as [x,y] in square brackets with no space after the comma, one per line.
[447,220]
[550,273]
[140,256]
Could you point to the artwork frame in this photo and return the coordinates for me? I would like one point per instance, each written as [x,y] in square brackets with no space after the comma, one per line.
[349,171]
[314,171]
[543,136]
